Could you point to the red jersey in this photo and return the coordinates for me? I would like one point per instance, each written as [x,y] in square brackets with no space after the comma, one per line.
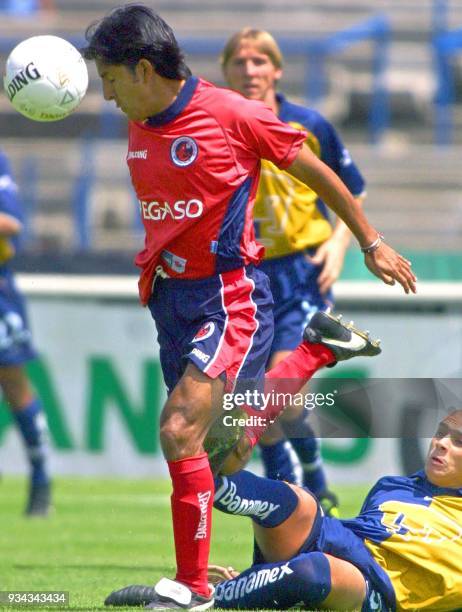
[195,168]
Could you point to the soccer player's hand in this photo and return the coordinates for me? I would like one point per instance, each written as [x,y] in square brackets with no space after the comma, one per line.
[330,255]
[217,573]
[390,267]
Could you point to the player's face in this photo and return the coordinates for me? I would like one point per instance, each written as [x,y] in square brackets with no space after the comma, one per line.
[252,72]
[130,89]
[444,460]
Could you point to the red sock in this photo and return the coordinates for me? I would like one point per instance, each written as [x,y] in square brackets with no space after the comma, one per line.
[287,377]
[302,363]
[192,501]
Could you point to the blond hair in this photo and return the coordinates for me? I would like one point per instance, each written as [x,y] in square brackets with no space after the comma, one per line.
[265,43]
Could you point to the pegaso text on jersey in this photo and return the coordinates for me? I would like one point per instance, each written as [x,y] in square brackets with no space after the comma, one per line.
[181,209]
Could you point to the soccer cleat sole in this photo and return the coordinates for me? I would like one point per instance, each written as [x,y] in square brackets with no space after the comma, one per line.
[375,344]
[141,595]
[133,595]
[171,605]
[342,348]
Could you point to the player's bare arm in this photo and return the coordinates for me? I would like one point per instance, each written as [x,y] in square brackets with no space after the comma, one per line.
[331,254]
[384,261]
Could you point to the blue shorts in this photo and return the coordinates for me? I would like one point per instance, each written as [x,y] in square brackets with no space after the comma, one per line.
[294,284]
[339,541]
[222,324]
[15,337]
[331,536]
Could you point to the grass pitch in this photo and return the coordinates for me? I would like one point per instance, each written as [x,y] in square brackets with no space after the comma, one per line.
[106,534]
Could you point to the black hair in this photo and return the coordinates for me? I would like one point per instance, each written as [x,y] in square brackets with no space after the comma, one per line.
[132,32]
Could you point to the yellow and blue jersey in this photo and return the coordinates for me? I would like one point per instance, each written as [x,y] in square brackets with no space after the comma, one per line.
[413,530]
[289,217]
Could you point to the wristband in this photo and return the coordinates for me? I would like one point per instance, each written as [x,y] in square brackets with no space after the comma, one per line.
[374,245]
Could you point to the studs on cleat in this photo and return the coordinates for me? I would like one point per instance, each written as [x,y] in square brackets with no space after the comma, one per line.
[343,339]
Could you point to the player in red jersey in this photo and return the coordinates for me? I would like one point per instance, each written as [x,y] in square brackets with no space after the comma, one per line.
[194,157]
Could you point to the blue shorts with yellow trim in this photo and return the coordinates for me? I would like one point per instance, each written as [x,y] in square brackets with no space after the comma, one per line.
[15,337]
[294,285]
[222,324]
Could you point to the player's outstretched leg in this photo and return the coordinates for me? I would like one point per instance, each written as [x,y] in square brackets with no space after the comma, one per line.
[305,579]
[326,340]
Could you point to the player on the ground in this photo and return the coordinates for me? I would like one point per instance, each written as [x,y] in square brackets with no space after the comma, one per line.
[16,350]
[402,551]
[194,157]
[303,254]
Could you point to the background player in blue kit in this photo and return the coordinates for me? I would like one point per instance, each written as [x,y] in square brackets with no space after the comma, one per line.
[16,350]
[402,551]
[303,254]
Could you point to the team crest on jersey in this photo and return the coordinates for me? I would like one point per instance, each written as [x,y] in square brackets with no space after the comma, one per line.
[205,332]
[183,151]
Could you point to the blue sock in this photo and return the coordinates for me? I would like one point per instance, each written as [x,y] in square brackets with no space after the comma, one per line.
[277,461]
[267,502]
[304,579]
[31,423]
[306,446]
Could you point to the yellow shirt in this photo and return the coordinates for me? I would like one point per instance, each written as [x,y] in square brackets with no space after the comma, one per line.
[289,216]
[423,555]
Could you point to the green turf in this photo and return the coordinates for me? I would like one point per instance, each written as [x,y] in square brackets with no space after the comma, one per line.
[105,534]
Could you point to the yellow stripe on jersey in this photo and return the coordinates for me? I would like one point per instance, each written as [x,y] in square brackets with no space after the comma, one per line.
[423,555]
[287,217]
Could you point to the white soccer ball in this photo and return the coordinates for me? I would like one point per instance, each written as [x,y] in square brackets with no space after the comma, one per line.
[45,78]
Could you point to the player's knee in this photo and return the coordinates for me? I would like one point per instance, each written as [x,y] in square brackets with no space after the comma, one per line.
[313,577]
[180,434]
[307,506]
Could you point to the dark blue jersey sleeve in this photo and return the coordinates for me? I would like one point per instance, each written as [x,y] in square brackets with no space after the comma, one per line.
[9,202]
[336,156]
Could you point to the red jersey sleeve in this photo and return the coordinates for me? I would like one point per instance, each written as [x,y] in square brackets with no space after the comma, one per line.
[266,135]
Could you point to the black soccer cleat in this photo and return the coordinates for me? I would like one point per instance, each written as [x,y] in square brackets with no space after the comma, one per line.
[167,594]
[174,595]
[343,339]
[39,502]
[133,595]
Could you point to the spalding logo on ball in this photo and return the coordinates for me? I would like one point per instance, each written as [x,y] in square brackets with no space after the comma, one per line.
[45,78]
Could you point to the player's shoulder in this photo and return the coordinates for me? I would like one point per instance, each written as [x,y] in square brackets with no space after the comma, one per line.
[390,487]
[297,113]
[226,103]
[393,481]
